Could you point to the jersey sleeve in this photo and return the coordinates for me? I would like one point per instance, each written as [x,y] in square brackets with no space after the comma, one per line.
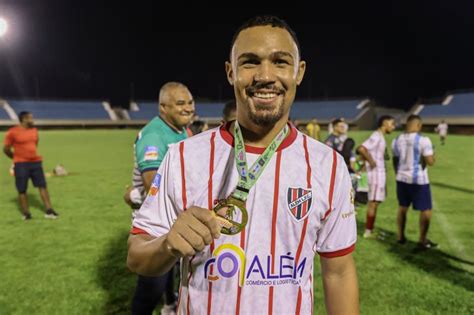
[371,142]
[426,147]
[9,138]
[159,211]
[147,152]
[338,232]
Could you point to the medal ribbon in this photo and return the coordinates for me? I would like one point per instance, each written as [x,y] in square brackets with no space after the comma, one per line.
[248,177]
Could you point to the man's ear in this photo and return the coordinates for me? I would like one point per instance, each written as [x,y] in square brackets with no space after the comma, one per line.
[301,71]
[229,72]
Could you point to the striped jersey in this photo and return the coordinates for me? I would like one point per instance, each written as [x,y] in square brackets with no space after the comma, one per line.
[410,148]
[376,146]
[302,204]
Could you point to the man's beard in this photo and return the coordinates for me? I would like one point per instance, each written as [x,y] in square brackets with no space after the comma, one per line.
[262,117]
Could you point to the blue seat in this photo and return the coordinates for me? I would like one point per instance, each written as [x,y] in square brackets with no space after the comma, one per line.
[3,114]
[65,110]
[462,104]
[325,110]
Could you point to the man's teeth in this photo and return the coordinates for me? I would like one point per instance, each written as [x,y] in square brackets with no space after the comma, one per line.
[265,95]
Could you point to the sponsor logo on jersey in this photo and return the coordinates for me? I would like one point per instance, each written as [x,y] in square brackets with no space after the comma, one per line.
[155,186]
[229,261]
[151,153]
[299,202]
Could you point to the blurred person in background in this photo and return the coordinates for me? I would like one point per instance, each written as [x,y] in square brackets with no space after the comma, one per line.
[339,141]
[198,126]
[374,151]
[412,152]
[313,129]
[442,130]
[176,109]
[21,144]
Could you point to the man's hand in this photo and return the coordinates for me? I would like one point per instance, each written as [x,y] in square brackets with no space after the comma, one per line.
[366,155]
[7,149]
[193,230]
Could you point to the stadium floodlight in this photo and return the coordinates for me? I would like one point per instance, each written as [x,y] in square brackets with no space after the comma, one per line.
[3,27]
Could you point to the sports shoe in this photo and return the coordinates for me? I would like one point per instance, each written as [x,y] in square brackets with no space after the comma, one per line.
[368,234]
[27,216]
[51,214]
[427,245]
[168,309]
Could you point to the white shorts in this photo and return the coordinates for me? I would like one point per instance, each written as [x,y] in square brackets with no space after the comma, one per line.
[377,185]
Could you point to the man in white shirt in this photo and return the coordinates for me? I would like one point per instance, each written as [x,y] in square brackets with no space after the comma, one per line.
[253,252]
[412,152]
[373,150]
[442,130]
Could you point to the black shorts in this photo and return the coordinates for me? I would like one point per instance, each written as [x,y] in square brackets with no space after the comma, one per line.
[27,170]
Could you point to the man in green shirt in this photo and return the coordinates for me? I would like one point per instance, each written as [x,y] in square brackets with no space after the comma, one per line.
[176,107]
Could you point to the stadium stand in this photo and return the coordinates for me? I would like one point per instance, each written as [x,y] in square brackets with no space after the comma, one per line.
[356,111]
[3,114]
[63,110]
[457,109]
[359,113]
[143,110]
[211,111]
[56,113]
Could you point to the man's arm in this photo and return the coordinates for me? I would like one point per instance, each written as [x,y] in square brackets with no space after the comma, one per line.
[194,229]
[340,285]
[147,178]
[429,160]
[7,149]
[367,156]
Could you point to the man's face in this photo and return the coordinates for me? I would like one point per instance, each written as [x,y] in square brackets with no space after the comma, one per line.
[339,128]
[178,107]
[389,125]
[264,70]
[28,121]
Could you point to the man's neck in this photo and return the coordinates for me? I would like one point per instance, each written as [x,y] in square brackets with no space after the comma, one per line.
[171,125]
[257,135]
[382,130]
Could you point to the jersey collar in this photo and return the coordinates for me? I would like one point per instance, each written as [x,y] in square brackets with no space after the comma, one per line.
[229,138]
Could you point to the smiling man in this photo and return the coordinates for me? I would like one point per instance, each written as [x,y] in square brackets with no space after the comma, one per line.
[246,206]
[176,107]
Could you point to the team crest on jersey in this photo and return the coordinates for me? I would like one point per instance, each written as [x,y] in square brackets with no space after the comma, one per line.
[299,202]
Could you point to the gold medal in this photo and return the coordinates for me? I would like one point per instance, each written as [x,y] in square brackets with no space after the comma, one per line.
[225,212]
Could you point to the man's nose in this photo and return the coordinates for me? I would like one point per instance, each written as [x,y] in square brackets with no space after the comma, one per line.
[265,73]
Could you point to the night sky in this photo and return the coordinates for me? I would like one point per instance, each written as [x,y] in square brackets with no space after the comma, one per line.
[393,52]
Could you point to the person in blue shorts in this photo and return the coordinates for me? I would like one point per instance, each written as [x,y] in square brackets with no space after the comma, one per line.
[412,153]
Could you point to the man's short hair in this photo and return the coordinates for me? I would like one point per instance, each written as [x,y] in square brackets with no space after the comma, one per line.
[265,20]
[164,89]
[229,107]
[22,115]
[413,117]
[336,121]
[384,118]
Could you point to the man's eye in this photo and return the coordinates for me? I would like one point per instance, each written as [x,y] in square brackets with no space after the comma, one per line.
[281,62]
[250,62]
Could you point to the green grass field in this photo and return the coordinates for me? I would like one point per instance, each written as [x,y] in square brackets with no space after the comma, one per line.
[76,264]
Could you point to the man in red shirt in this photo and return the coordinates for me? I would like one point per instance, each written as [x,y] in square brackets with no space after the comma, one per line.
[20,145]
